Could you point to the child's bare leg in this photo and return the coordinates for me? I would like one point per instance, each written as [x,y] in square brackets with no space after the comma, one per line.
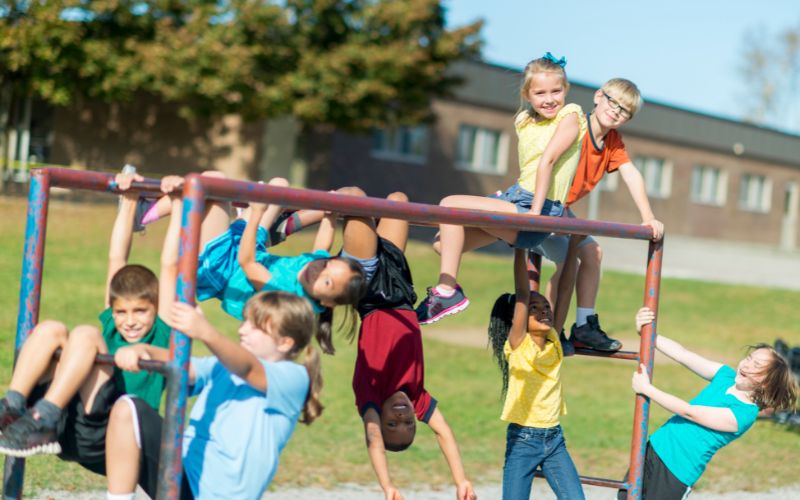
[453,240]
[76,371]
[217,218]
[474,238]
[588,282]
[395,230]
[359,238]
[123,454]
[35,362]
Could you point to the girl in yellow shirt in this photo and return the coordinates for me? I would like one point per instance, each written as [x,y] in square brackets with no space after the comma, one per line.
[549,135]
[529,353]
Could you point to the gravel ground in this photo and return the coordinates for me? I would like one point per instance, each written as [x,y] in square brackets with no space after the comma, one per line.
[487,491]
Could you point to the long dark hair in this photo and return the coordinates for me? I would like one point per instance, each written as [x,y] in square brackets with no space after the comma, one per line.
[354,291]
[499,328]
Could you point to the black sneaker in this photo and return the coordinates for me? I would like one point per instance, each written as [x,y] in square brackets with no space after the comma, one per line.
[29,436]
[591,336]
[435,307]
[8,414]
[566,344]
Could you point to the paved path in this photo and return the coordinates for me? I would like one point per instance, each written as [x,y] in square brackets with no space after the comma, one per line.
[708,260]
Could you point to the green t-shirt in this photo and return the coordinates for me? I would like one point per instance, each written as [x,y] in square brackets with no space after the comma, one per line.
[146,385]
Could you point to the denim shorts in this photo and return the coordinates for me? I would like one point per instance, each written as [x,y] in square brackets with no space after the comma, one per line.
[522,199]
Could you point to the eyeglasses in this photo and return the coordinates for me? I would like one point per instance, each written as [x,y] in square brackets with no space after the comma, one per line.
[617,107]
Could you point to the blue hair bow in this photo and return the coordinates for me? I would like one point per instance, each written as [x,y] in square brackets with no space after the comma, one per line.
[550,57]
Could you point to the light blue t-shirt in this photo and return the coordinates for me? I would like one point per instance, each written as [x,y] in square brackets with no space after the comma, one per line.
[284,271]
[686,447]
[236,433]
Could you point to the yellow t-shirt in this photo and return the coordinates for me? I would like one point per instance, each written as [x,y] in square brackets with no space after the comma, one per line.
[534,396]
[533,138]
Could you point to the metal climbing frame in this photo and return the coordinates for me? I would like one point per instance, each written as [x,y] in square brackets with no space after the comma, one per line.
[198,189]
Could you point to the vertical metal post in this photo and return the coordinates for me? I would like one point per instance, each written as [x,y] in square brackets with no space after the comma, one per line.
[170,463]
[641,414]
[29,298]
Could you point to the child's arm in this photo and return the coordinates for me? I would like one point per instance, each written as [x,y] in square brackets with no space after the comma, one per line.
[449,447]
[377,454]
[257,274]
[169,259]
[119,247]
[236,359]
[718,419]
[519,323]
[633,179]
[325,233]
[128,357]
[563,138]
[703,367]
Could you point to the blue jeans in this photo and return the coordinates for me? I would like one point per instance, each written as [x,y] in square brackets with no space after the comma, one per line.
[528,448]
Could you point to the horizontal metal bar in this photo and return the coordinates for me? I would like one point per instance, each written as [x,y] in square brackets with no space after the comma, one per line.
[108,360]
[631,355]
[416,212]
[595,481]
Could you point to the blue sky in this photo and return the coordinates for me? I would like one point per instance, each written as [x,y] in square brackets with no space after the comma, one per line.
[682,53]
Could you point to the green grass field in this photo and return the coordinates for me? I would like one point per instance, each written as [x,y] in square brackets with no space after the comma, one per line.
[714,319]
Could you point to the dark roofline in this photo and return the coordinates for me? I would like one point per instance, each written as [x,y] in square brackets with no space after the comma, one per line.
[656,102]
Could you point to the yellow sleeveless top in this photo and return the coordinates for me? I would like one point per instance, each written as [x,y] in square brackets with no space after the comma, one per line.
[533,138]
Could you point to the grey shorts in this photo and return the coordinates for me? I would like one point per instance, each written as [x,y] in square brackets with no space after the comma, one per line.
[554,247]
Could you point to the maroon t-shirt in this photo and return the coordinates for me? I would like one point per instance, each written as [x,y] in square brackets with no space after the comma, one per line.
[389,360]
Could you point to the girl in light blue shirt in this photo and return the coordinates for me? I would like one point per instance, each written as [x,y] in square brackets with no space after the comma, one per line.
[678,452]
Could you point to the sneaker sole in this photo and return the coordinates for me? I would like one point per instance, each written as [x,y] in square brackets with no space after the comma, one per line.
[447,312]
[581,345]
[42,449]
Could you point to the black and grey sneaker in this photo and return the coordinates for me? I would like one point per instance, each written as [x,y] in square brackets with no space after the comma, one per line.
[8,414]
[435,306]
[591,336]
[566,344]
[29,436]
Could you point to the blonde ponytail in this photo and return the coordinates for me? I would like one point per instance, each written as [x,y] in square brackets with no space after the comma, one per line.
[313,407]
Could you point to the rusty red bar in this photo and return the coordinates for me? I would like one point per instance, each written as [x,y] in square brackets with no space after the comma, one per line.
[641,413]
[226,189]
[629,355]
[30,293]
[108,360]
[170,466]
[594,481]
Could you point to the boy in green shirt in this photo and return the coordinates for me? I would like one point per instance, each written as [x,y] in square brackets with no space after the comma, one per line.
[73,396]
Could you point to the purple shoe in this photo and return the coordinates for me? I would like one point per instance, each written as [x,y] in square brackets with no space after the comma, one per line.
[435,306]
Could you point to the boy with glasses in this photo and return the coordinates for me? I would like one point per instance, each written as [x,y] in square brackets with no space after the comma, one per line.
[602,151]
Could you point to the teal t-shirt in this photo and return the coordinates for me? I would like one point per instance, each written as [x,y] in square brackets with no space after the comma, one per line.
[284,271]
[144,384]
[686,447]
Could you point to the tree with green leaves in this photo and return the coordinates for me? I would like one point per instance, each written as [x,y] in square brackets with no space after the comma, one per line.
[347,64]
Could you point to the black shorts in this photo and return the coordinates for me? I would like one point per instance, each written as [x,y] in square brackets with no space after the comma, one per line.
[391,287]
[658,483]
[82,436]
[148,424]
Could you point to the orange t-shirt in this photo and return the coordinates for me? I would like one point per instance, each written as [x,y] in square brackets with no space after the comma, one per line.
[594,163]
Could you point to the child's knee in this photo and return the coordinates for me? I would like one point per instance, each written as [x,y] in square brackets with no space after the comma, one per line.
[86,335]
[351,191]
[591,253]
[50,329]
[121,419]
[398,196]
[278,181]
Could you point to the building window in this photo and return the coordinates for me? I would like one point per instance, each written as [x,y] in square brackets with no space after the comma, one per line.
[657,174]
[755,193]
[482,150]
[709,185]
[408,144]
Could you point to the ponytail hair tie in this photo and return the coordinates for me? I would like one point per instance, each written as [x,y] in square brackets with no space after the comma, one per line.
[550,57]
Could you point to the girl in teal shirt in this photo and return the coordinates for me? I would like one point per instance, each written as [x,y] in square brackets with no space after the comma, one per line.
[678,452]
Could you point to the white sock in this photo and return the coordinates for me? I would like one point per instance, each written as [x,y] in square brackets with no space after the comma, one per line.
[445,292]
[581,314]
[120,496]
